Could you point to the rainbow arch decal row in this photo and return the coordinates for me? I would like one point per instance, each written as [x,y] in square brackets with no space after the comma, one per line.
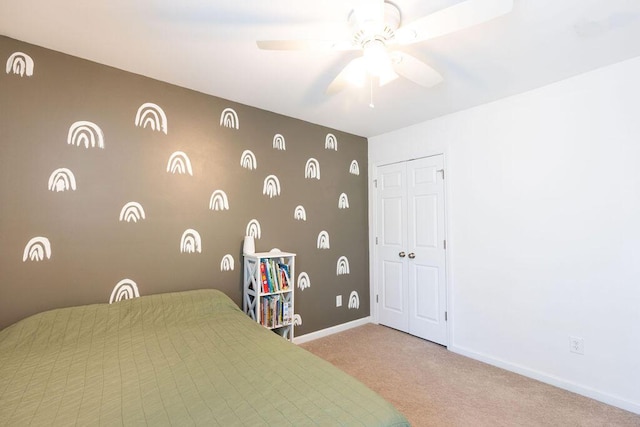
[179,163]
[279,142]
[132,212]
[253,229]
[87,133]
[37,249]
[229,119]
[124,289]
[20,64]
[62,179]
[219,201]
[323,240]
[152,116]
[331,142]
[271,186]
[227,263]
[354,300]
[303,281]
[190,242]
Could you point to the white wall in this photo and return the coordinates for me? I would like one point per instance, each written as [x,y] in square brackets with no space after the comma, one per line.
[544,229]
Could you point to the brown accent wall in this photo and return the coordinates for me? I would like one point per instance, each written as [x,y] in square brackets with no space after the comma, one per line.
[73,159]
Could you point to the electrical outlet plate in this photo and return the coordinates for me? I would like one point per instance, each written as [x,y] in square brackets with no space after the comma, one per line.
[338,300]
[576,345]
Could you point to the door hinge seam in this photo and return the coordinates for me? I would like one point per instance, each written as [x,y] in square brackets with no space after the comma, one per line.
[445,243]
[445,316]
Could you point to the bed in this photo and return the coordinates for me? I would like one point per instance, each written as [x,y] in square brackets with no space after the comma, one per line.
[184,358]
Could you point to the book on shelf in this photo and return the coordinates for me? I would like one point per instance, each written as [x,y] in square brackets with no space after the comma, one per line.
[276,311]
[263,277]
[269,290]
[284,268]
[274,277]
[267,268]
[286,317]
[274,274]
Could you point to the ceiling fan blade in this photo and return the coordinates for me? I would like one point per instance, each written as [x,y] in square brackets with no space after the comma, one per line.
[451,19]
[415,70]
[305,45]
[354,74]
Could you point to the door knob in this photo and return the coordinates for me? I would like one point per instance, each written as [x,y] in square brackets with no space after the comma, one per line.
[401,254]
[412,255]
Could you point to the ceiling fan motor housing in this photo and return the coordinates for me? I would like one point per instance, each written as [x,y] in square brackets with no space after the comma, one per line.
[368,29]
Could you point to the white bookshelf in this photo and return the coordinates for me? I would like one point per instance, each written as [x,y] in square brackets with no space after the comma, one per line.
[271,303]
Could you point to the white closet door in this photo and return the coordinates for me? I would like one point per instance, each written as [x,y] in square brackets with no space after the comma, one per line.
[411,254]
[425,247]
[392,234]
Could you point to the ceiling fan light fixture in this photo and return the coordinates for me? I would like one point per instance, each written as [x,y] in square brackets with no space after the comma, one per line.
[377,26]
[376,57]
[378,62]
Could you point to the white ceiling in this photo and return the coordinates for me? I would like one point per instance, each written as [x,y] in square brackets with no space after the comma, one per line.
[209,46]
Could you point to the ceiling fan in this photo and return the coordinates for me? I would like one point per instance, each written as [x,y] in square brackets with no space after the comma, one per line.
[377,29]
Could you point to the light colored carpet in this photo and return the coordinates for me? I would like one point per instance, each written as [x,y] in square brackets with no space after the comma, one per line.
[432,386]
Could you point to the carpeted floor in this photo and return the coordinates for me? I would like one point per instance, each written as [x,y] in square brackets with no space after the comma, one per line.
[435,387]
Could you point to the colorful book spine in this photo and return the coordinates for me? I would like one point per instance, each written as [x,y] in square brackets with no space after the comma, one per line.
[269,277]
[286,317]
[273,284]
[263,277]
[285,275]
[275,311]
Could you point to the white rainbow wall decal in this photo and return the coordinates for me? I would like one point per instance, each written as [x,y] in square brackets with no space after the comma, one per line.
[248,160]
[179,163]
[297,320]
[342,266]
[323,240]
[303,281]
[219,201]
[227,263]
[229,119]
[62,179]
[190,242]
[124,289]
[253,229]
[271,186]
[354,168]
[278,142]
[312,169]
[330,142]
[21,64]
[354,300]
[87,133]
[343,201]
[152,115]
[299,213]
[132,212]
[37,249]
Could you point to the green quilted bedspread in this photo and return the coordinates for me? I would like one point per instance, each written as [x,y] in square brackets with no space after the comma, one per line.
[185,358]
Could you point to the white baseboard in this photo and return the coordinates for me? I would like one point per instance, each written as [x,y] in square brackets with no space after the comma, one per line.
[332,330]
[550,379]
